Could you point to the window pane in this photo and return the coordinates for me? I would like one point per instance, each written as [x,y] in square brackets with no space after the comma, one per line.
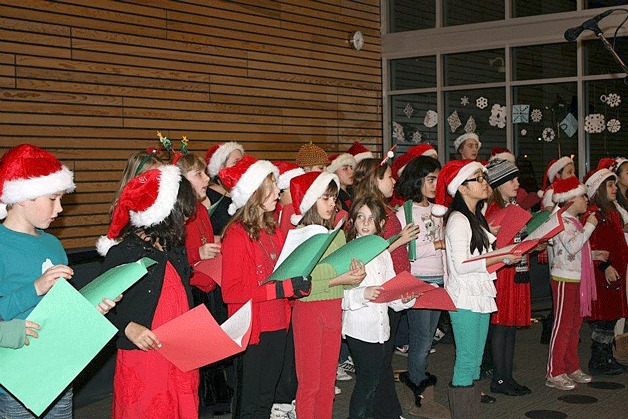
[545,61]
[599,61]
[611,142]
[594,4]
[541,137]
[521,8]
[413,73]
[409,15]
[408,121]
[490,136]
[474,67]
[460,12]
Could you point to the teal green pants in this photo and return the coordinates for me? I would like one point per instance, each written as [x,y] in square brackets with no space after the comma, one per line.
[470,330]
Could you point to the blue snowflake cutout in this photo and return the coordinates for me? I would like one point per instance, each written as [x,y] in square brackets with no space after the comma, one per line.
[520,114]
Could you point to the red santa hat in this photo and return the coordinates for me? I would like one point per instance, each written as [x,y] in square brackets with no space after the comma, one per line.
[402,161]
[28,172]
[306,189]
[218,155]
[244,178]
[337,161]
[501,153]
[287,171]
[451,176]
[611,164]
[145,201]
[359,152]
[467,136]
[565,189]
[552,169]
[595,178]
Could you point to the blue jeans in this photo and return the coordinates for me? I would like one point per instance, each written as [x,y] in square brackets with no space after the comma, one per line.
[11,408]
[470,330]
[421,328]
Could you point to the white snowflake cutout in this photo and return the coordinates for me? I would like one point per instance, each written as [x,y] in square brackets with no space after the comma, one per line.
[536,115]
[524,132]
[454,121]
[408,110]
[594,123]
[481,102]
[464,101]
[498,116]
[398,132]
[613,100]
[417,137]
[470,126]
[613,125]
[548,135]
[431,119]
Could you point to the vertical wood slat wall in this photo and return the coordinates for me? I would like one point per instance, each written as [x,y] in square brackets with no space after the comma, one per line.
[92,82]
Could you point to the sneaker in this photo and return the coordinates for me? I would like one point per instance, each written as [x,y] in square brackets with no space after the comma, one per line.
[578,376]
[432,350]
[560,382]
[348,365]
[337,390]
[341,374]
[402,350]
[282,411]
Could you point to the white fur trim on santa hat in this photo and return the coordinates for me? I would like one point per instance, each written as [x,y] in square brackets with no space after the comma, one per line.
[169,179]
[364,155]
[465,137]
[504,156]
[463,174]
[104,243]
[566,196]
[316,189]
[249,182]
[220,156]
[430,152]
[594,182]
[557,167]
[344,159]
[283,182]
[438,210]
[20,190]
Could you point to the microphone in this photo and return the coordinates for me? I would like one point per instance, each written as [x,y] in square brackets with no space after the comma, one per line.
[572,34]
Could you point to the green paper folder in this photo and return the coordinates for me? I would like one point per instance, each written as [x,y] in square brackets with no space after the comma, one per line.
[72,333]
[537,219]
[363,248]
[304,258]
[115,281]
[407,209]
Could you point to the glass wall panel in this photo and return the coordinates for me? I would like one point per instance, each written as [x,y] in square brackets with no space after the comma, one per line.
[521,8]
[409,15]
[410,125]
[474,67]
[492,131]
[545,127]
[413,73]
[461,12]
[599,61]
[544,61]
[594,4]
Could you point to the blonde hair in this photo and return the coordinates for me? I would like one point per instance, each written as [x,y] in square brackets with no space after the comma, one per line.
[366,174]
[137,164]
[190,162]
[252,215]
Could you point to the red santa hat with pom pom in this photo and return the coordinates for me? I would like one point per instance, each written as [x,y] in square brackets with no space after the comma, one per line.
[451,176]
[217,155]
[287,172]
[337,161]
[552,169]
[145,201]
[565,189]
[595,178]
[359,152]
[501,153]
[306,189]
[611,164]
[28,172]
[402,161]
[244,178]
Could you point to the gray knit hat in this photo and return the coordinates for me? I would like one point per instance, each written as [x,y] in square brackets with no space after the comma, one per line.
[500,172]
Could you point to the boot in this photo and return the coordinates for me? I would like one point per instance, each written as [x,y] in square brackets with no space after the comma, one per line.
[610,359]
[600,363]
[464,402]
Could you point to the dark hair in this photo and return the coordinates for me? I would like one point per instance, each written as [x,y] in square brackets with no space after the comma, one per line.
[479,240]
[413,176]
[170,232]
[601,200]
[311,216]
[377,209]
[365,178]
[622,200]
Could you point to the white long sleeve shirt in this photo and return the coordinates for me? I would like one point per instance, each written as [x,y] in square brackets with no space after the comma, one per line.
[469,284]
[365,320]
[567,249]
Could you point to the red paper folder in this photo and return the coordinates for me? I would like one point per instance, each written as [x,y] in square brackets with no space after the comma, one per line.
[511,219]
[211,267]
[429,296]
[194,339]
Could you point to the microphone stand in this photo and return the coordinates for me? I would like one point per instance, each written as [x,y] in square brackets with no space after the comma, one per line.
[609,47]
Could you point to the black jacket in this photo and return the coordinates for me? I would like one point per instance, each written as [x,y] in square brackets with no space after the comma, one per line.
[140,301]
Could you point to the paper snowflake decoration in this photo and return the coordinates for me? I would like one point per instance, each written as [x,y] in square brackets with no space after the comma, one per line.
[520,114]
[431,119]
[464,101]
[524,132]
[481,102]
[398,132]
[498,116]
[454,121]
[613,125]
[536,115]
[613,99]
[594,123]
[417,137]
[569,125]
[548,135]
[470,126]
[408,110]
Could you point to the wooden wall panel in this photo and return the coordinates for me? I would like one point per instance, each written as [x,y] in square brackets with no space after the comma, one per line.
[93,81]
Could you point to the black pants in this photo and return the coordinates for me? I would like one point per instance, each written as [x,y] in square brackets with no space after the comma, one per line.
[287,386]
[369,361]
[387,404]
[259,368]
[502,351]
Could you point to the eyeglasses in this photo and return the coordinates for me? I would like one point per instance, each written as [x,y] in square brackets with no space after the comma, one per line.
[479,179]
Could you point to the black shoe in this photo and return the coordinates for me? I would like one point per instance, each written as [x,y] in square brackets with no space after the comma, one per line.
[504,387]
[523,389]
[485,398]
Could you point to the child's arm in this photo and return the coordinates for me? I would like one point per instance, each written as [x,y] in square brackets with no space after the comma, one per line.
[141,336]
[572,239]
[14,333]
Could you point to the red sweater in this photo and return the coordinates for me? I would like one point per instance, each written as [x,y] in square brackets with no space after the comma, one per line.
[198,228]
[400,259]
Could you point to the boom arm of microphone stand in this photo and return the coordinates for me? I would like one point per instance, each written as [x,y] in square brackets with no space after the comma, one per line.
[610,49]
